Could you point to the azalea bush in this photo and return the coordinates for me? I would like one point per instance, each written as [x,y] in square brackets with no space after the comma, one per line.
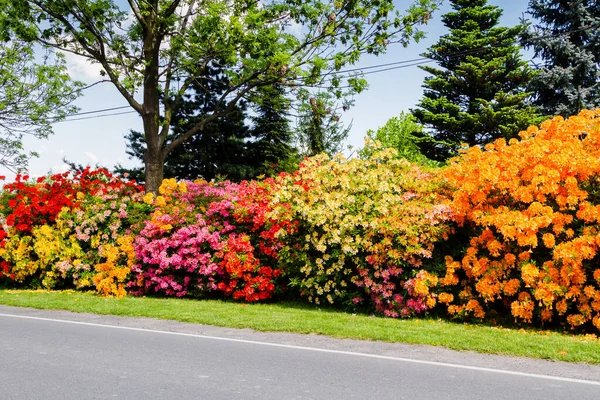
[57,225]
[26,204]
[531,209]
[359,231]
[204,239]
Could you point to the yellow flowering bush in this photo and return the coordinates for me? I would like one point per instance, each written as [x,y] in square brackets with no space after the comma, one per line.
[45,259]
[360,230]
[111,275]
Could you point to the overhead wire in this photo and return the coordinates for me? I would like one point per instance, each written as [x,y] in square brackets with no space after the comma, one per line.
[383,68]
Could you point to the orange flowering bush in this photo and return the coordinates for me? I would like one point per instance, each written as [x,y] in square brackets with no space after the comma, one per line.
[531,209]
[111,275]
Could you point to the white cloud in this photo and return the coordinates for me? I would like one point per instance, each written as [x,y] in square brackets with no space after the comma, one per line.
[59,169]
[91,156]
[82,69]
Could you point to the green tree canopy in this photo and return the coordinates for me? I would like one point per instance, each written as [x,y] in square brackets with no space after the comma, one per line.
[154,50]
[402,133]
[565,37]
[319,129]
[478,94]
[34,94]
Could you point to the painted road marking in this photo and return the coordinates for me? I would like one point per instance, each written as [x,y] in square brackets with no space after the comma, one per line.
[315,349]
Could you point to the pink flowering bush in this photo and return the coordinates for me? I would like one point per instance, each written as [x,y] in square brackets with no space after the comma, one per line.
[205,239]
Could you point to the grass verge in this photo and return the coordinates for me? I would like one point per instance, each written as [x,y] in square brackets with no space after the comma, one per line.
[288,317]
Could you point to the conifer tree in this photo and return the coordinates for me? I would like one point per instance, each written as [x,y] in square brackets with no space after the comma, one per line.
[271,150]
[478,93]
[565,37]
[229,146]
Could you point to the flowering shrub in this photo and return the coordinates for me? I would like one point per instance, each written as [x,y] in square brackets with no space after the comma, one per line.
[58,224]
[204,238]
[39,259]
[111,275]
[26,204]
[532,210]
[360,229]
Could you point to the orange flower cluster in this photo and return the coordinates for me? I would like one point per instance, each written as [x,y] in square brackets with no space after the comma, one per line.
[532,210]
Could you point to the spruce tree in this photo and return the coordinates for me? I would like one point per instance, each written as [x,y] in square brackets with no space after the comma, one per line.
[478,93]
[565,37]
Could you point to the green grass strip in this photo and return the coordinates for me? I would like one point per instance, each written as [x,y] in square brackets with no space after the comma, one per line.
[291,317]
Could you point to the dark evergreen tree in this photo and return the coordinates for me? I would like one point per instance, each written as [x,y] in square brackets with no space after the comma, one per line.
[226,147]
[270,148]
[565,37]
[478,95]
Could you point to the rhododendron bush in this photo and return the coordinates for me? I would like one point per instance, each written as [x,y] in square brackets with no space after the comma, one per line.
[520,219]
[207,238]
[359,231]
[532,209]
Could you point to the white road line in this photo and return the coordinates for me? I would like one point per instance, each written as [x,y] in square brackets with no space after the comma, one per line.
[316,349]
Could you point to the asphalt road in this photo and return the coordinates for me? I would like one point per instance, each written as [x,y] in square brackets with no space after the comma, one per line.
[60,355]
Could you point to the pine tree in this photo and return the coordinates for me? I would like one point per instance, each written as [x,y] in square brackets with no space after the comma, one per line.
[270,148]
[565,37]
[479,94]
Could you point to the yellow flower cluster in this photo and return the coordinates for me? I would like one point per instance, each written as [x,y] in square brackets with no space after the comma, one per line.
[41,255]
[111,275]
[170,186]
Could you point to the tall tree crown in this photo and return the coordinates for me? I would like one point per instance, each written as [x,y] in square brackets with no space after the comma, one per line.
[478,94]
[565,37]
[154,50]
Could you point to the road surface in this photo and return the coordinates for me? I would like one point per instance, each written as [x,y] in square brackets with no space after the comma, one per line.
[61,355]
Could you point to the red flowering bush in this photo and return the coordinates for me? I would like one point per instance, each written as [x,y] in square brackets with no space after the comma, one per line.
[26,204]
[531,209]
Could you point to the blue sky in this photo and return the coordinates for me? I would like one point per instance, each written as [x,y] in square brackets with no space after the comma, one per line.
[101,140]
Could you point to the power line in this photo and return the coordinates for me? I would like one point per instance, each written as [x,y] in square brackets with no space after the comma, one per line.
[96,116]
[392,66]
[98,111]
[426,60]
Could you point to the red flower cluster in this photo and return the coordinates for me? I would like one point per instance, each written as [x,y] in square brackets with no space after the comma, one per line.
[29,204]
[247,279]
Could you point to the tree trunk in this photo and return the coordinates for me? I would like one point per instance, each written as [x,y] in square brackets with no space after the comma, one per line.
[154,174]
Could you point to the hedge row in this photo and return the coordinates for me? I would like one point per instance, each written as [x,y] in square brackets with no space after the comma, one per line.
[511,229]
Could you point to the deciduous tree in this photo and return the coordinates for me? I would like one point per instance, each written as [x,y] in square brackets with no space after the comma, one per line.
[33,95]
[155,50]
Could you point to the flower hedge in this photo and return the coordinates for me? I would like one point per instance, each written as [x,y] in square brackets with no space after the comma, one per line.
[206,238]
[360,231]
[512,229]
[532,212]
